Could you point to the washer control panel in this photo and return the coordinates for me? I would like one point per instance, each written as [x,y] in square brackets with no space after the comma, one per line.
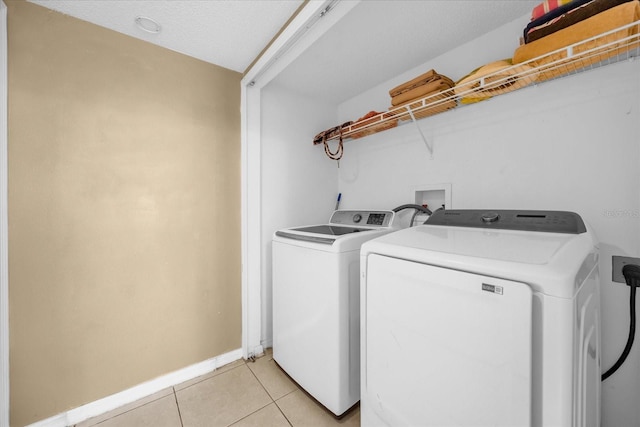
[542,221]
[376,219]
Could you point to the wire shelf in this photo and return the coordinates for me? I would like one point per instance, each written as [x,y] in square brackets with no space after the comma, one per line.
[619,44]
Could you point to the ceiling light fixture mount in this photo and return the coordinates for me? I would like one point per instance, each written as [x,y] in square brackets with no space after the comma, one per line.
[147,24]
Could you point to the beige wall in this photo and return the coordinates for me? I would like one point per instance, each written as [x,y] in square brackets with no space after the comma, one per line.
[124,211]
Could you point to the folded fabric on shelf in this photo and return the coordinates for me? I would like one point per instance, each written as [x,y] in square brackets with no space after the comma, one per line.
[572,17]
[492,79]
[422,91]
[542,52]
[545,7]
[558,11]
[422,79]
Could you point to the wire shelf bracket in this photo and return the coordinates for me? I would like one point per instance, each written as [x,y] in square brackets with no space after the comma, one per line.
[424,138]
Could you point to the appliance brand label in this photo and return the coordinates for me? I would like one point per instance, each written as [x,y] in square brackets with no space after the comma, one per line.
[492,288]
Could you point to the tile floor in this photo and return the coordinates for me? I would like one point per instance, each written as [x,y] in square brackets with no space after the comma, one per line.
[240,394]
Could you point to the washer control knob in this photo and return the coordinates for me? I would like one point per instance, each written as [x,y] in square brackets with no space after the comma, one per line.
[357,218]
[489,217]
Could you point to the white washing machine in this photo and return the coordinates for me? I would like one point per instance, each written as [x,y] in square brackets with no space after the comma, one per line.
[316,303]
[482,319]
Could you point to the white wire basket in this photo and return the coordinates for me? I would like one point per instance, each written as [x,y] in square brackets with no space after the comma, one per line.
[619,44]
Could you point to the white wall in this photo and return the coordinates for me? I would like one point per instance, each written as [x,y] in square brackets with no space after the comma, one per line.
[570,144]
[299,183]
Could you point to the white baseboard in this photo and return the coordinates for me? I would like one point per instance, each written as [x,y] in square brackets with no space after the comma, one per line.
[145,389]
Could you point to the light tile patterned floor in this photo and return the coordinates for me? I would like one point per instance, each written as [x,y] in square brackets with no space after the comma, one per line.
[241,394]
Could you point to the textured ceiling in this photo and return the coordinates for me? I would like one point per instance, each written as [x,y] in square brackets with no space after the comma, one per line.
[383,37]
[228,33]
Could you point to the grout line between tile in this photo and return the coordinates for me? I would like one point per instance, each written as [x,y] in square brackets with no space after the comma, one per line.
[287,394]
[248,415]
[280,409]
[269,394]
[175,396]
[261,385]
[270,397]
[102,418]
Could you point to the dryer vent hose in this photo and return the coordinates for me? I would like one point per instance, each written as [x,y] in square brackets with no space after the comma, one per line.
[417,208]
[411,206]
[631,273]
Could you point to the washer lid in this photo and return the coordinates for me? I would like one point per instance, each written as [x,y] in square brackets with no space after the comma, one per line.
[553,263]
[500,245]
[325,234]
[346,230]
[326,242]
[331,230]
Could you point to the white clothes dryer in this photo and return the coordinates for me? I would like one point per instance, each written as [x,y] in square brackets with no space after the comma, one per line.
[316,303]
[482,319]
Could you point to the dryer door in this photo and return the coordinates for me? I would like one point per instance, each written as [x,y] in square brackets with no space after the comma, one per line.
[443,347]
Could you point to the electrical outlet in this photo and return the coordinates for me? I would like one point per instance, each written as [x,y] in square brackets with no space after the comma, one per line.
[618,263]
